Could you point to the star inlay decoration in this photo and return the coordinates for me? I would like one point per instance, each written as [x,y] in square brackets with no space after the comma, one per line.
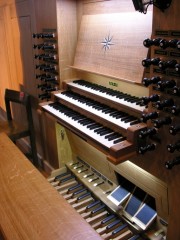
[107,42]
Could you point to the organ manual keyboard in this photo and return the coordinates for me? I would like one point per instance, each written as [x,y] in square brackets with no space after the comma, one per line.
[101,116]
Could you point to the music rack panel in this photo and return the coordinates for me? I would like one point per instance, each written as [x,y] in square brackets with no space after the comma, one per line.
[104,50]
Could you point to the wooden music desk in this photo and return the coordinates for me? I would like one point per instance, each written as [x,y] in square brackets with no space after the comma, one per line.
[30,208]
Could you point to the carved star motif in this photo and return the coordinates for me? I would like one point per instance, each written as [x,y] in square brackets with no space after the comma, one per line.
[107,42]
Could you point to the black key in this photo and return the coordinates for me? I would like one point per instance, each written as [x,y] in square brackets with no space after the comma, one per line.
[105,132]
[107,219]
[113,137]
[113,224]
[135,122]
[83,196]
[61,175]
[119,116]
[98,209]
[85,123]
[119,229]
[106,109]
[81,121]
[124,118]
[91,125]
[98,131]
[131,118]
[121,95]
[74,187]
[78,192]
[119,140]
[79,117]
[130,99]
[109,111]
[136,237]
[98,107]
[91,205]
[139,103]
[66,179]
[94,126]
[115,113]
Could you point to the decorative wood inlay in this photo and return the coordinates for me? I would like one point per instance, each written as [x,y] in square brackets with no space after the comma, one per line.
[107,42]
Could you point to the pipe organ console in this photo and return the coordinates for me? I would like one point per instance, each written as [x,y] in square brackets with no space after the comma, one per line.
[118,145]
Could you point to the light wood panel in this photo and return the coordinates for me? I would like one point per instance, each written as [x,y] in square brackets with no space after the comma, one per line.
[106,6]
[4,73]
[45,13]
[111,44]
[50,145]
[24,55]
[67,37]
[17,54]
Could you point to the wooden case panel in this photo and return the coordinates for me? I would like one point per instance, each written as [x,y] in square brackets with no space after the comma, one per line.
[111,44]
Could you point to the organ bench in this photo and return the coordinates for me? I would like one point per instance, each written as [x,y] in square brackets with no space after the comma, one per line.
[29,207]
